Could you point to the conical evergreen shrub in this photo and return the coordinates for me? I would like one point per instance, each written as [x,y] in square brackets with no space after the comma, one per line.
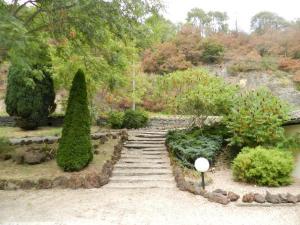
[75,148]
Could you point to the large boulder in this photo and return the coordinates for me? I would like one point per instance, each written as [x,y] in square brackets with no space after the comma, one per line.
[233,197]
[218,198]
[34,157]
[291,198]
[248,198]
[274,199]
[44,183]
[259,198]
[60,182]
[92,180]
[220,191]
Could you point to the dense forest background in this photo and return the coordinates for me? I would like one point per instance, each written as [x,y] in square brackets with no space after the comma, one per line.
[131,54]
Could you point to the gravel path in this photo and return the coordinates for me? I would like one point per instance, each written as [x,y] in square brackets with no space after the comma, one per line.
[127,207]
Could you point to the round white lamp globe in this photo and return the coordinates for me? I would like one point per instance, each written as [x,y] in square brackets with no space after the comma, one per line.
[202,164]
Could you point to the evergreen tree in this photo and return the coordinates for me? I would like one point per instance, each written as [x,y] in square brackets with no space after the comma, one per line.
[30,91]
[75,149]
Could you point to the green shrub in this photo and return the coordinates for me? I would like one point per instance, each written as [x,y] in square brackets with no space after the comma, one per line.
[270,167]
[269,63]
[134,119]
[243,67]
[30,93]
[256,119]
[211,96]
[212,52]
[188,145]
[75,149]
[115,120]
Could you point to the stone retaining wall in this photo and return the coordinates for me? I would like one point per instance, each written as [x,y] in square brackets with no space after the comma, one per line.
[169,122]
[54,139]
[9,121]
[154,122]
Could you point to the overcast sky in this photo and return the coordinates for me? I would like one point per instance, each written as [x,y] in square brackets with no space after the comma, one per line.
[243,10]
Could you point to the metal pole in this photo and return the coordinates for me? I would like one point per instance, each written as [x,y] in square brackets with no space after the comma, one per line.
[133,87]
[203,183]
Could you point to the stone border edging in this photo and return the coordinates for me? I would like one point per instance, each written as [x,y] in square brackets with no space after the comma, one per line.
[55,139]
[223,197]
[74,181]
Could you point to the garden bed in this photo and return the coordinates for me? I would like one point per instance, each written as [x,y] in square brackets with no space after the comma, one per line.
[222,188]
[48,175]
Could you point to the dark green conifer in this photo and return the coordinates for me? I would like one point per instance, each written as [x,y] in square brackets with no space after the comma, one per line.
[75,148]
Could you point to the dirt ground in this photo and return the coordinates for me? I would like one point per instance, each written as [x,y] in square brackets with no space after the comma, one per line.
[142,207]
[133,207]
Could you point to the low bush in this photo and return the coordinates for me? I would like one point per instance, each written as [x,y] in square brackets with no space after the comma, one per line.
[268,63]
[210,96]
[135,119]
[261,166]
[188,145]
[256,119]
[243,67]
[115,120]
[212,52]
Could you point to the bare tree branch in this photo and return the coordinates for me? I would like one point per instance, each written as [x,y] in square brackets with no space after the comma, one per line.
[17,9]
[33,16]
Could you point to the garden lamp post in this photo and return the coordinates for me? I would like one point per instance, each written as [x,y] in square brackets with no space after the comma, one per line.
[202,165]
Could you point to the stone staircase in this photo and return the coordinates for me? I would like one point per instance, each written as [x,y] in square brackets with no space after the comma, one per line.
[144,162]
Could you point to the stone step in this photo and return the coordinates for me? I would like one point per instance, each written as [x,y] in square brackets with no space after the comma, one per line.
[142,153]
[145,139]
[142,178]
[129,181]
[136,160]
[145,149]
[141,185]
[153,162]
[144,145]
[160,132]
[146,170]
[150,136]
[142,165]
[146,142]
[144,158]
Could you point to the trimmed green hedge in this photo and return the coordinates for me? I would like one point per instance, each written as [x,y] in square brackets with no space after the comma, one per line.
[270,167]
[130,119]
[75,148]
